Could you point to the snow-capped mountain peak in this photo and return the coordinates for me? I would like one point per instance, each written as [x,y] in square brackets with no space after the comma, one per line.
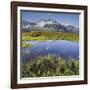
[43,22]
[50,25]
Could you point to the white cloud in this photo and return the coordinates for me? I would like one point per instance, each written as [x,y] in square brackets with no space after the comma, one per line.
[66,24]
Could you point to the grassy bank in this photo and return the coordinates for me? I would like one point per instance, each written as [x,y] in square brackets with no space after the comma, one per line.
[42,36]
[50,65]
[25,45]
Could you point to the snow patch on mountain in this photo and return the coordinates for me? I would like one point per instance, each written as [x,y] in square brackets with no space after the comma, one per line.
[49,24]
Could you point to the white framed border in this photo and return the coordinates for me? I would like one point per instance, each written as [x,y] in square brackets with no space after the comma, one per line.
[81,49]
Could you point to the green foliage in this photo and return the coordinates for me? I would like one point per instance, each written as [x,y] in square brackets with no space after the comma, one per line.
[68,72]
[42,36]
[50,65]
[25,45]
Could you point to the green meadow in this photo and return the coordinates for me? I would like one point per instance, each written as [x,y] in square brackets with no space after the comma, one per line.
[42,36]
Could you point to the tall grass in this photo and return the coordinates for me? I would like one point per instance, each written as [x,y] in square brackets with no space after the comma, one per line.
[50,65]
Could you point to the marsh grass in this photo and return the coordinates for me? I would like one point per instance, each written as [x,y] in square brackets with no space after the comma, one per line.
[42,36]
[50,65]
[25,45]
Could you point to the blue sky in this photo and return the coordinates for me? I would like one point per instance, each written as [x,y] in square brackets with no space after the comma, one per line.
[63,18]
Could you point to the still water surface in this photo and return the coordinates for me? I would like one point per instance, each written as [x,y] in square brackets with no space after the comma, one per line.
[63,48]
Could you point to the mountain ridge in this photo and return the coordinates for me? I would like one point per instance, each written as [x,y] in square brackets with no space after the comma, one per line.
[48,25]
